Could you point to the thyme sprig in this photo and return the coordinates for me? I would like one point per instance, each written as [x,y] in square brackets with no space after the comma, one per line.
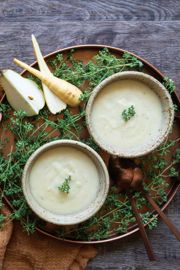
[65,187]
[128,113]
[169,84]
[103,65]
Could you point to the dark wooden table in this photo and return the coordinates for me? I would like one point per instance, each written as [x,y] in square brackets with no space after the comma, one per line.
[149,28]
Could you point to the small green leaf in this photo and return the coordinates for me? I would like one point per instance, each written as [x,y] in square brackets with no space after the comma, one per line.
[2,219]
[177,155]
[65,187]
[128,113]
[173,172]
[169,84]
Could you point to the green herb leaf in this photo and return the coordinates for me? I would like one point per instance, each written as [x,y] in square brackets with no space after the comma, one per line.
[65,187]
[176,107]
[173,172]
[2,219]
[177,155]
[128,113]
[169,84]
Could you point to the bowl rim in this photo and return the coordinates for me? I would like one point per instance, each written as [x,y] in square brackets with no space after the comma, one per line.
[118,76]
[85,149]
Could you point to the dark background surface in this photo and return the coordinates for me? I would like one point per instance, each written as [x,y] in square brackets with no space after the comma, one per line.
[150,29]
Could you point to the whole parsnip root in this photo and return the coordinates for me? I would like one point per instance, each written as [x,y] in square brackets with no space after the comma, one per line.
[66,91]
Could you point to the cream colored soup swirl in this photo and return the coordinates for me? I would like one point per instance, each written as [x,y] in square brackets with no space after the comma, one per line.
[49,172]
[111,129]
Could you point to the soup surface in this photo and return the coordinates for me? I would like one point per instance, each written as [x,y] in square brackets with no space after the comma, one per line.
[50,171]
[108,124]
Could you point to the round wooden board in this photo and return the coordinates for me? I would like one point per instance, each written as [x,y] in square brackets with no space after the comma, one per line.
[86,53]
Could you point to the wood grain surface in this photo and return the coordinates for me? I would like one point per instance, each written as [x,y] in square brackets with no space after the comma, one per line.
[151,29]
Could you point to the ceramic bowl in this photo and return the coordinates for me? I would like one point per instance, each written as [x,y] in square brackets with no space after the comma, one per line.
[68,219]
[167,107]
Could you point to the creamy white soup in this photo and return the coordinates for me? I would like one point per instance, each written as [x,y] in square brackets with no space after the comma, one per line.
[108,124]
[49,172]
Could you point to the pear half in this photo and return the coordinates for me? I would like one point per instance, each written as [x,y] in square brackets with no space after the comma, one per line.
[21,93]
[54,103]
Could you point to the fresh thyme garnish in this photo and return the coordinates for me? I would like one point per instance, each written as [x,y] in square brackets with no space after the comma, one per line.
[176,107]
[169,84]
[128,113]
[103,65]
[30,133]
[85,95]
[65,187]
[2,220]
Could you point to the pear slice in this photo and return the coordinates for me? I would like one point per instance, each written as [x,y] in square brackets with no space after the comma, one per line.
[54,103]
[21,93]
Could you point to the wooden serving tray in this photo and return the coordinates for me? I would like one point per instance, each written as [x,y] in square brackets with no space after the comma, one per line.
[86,53]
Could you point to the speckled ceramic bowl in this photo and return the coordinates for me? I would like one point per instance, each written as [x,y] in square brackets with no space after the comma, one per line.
[167,107]
[78,217]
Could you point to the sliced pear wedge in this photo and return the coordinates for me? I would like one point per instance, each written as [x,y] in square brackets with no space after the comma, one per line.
[54,103]
[21,93]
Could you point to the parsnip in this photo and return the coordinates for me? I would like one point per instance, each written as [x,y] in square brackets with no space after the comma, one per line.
[68,92]
[54,103]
